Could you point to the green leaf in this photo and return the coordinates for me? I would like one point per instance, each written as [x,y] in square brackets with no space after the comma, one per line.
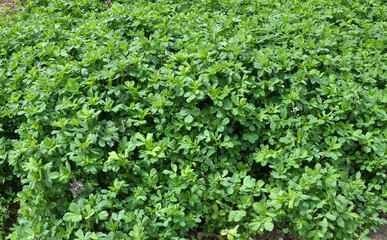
[255,226]
[236,216]
[273,125]
[103,215]
[75,208]
[79,234]
[190,98]
[94,236]
[174,167]
[251,137]
[72,217]
[324,223]
[113,156]
[225,121]
[330,216]
[269,226]
[188,118]
[249,182]
[54,175]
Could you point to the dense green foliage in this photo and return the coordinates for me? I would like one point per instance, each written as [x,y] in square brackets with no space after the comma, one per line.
[180,117]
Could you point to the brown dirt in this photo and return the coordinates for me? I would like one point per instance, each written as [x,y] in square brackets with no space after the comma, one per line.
[7,3]
[276,234]
[381,235]
[13,208]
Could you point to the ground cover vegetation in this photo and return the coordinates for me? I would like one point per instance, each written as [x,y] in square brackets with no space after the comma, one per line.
[163,119]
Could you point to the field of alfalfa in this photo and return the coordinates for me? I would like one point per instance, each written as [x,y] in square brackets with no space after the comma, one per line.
[202,119]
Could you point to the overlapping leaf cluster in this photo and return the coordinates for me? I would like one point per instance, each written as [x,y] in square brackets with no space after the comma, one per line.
[181,117]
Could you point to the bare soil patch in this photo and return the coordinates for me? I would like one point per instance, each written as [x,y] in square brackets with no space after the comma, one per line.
[381,235]
[7,3]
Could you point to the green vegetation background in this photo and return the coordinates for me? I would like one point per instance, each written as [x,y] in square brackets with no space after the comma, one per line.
[181,117]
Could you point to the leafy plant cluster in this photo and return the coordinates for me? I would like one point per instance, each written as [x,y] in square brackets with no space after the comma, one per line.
[174,117]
